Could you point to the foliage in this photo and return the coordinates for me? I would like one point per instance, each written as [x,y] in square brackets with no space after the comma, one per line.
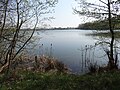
[93,67]
[48,81]
[99,25]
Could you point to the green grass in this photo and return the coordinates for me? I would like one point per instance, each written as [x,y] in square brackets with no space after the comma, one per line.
[56,81]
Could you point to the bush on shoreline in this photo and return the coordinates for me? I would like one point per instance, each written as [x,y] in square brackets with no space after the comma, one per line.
[39,64]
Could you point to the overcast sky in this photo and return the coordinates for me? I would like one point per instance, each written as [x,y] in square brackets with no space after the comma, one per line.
[64,16]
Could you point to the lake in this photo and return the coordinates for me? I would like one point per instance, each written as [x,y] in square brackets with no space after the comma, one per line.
[70,47]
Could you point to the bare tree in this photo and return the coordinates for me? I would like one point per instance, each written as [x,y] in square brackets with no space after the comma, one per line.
[15,15]
[107,9]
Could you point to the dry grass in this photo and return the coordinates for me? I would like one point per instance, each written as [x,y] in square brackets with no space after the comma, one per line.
[40,64]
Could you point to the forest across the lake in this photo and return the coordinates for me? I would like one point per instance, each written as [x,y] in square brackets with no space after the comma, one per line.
[101,24]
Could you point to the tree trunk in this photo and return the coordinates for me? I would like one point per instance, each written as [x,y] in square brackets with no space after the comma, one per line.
[111,63]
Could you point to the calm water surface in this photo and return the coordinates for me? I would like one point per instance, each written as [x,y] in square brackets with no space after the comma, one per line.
[67,46]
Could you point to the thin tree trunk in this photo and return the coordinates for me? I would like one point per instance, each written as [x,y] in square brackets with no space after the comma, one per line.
[112,64]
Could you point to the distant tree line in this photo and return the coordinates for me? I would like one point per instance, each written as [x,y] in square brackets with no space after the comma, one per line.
[101,24]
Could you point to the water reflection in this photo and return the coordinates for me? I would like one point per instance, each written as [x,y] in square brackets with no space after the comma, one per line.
[67,46]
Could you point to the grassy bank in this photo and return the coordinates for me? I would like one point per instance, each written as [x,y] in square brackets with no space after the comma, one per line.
[27,80]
